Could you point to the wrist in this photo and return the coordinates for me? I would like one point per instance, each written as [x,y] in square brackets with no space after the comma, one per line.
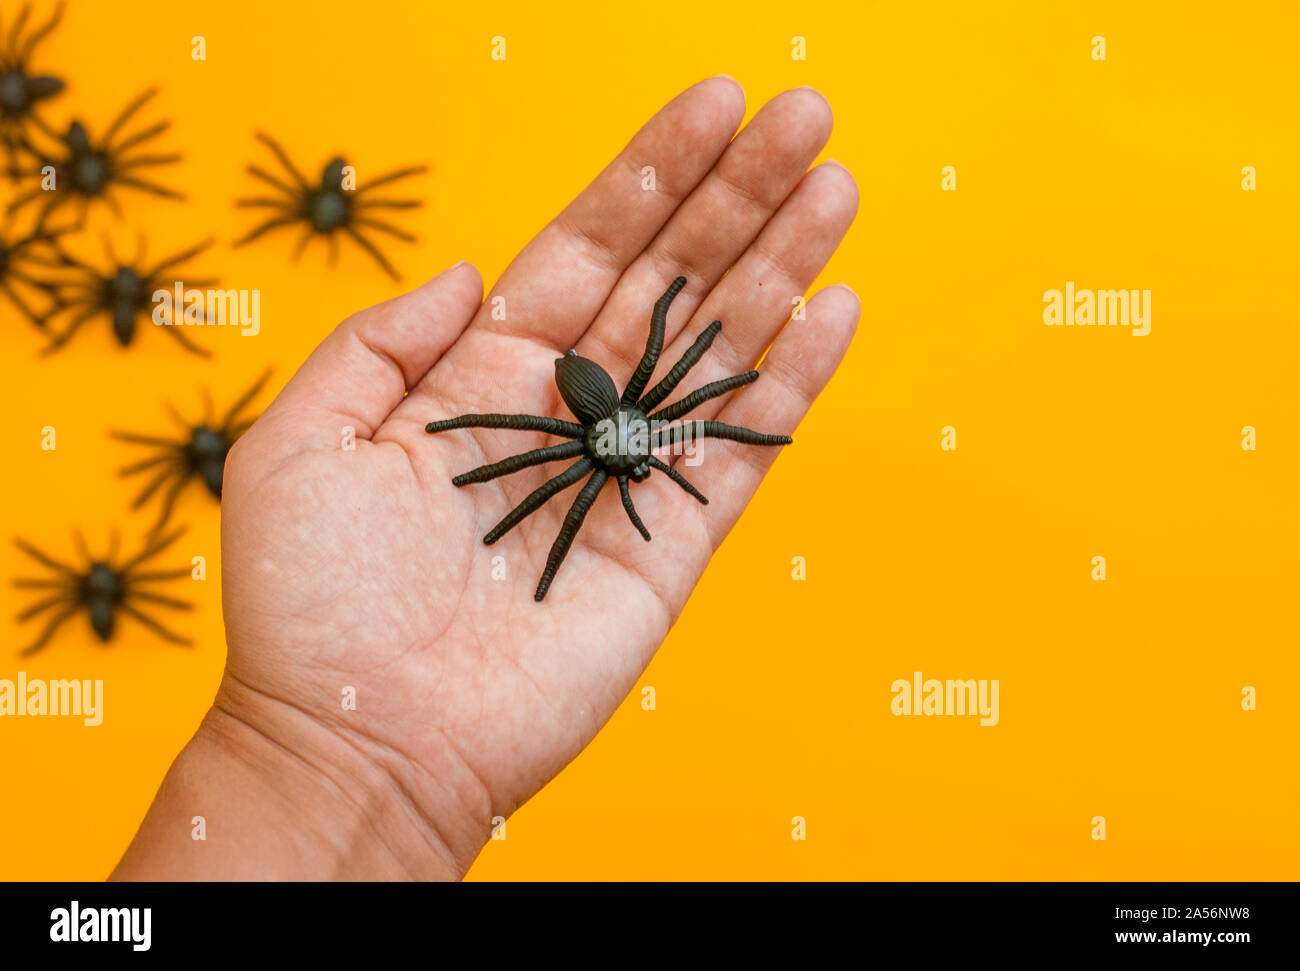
[284,796]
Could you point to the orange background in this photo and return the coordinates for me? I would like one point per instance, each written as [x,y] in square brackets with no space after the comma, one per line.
[1118,698]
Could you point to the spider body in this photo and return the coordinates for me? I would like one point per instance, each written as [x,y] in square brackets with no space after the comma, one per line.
[328,207]
[616,437]
[123,293]
[104,588]
[21,91]
[88,169]
[205,456]
[199,454]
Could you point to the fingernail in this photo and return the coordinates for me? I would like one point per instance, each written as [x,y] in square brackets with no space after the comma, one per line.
[850,289]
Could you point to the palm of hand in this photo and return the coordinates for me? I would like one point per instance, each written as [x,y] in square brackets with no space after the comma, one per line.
[365,568]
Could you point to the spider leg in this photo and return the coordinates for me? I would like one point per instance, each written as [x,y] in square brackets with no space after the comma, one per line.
[71,329]
[283,156]
[152,188]
[263,202]
[393,176]
[24,199]
[45,560]
[373,250]
[692,357]
[181,257]
[175,330]
[631,509]
[243,402]
[668,470]
[169,504]
[112,202]
[308,232]
[388,204]
[151,550]
[530,423]
[135,439]
[41,125]
[7,288]
[31,583]
[716,429]
[131,163]
[184,571]
[139,102]
[40,607]
[159,598]
[154,626]
[140,137]
[385,227]
[537,497]
[696,398]
[154,484]
[18,25]
[49,630]
[177,417]
[334,250]
[572,523]
[136,467]
[46,285]
[257,172]
[265,227]
[654,344]
[537,456]
[41,32]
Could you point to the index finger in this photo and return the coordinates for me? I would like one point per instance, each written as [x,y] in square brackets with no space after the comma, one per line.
[556,285]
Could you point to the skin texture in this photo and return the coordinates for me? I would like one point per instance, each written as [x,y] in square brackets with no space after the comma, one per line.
[365,568]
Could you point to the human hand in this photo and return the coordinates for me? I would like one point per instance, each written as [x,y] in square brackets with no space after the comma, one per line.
[365,568]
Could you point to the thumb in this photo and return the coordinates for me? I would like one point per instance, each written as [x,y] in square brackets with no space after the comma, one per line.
[361,371]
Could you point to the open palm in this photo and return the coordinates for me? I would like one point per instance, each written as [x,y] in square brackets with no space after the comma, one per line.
[362,569]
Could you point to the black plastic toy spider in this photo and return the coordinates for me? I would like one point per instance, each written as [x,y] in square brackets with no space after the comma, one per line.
[123,292]
[20,90]
[20,259]
[327,208]
[200,453]
[90,169]
[103,587]
[617,436]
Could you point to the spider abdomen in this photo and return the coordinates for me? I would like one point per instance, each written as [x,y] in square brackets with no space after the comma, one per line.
[586,388]
[102,591]
[207,457]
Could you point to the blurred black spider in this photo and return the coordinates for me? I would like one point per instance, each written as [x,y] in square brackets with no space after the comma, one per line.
[200,453]
[103,587]
[20,259]
[326,208]
[90,169]
[20,90]
[123,292]
[617,437]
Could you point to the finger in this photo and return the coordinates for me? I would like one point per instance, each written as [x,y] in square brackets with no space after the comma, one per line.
[713,227]
[361,371]
[792,375]
[555,286]
[758,296]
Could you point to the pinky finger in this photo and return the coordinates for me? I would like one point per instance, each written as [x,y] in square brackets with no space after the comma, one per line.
[802,360]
